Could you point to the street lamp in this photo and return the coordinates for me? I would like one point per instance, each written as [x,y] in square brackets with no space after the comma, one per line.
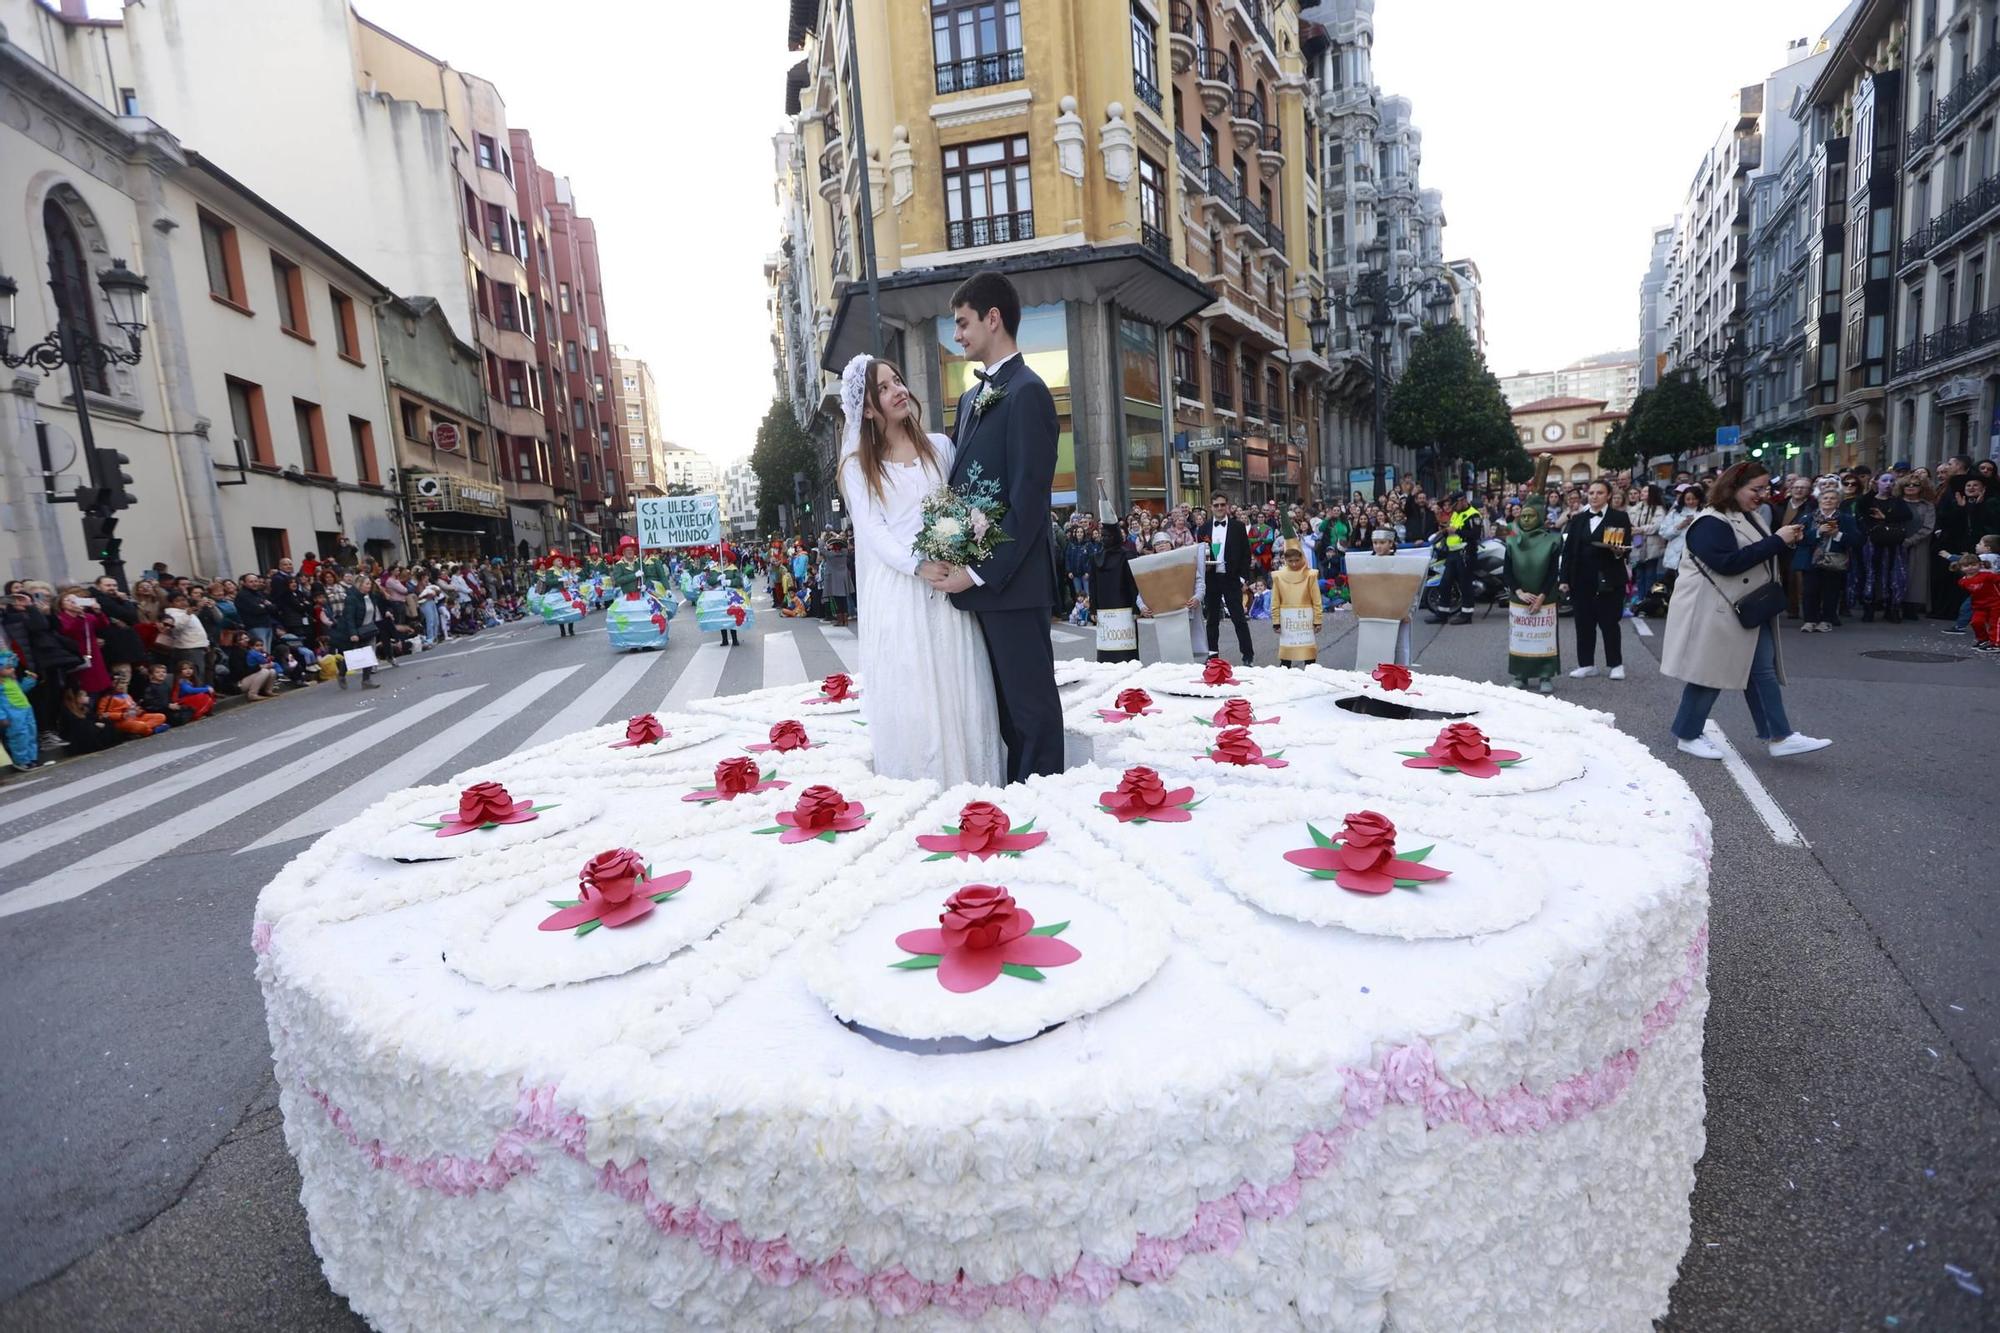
[1374,302]
[70,344]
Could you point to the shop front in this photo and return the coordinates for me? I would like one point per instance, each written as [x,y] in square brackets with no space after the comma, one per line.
[453,519]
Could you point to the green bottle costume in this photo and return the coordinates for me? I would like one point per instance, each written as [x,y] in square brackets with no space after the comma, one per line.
[1532,566]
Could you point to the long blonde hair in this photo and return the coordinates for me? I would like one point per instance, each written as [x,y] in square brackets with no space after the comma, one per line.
[872,454]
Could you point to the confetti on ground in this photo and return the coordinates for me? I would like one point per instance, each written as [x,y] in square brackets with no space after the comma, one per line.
[1956,1008]
[1963,1278]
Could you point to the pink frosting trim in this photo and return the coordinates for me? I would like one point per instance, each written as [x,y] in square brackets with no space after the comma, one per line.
[1404,1076]
[260,937]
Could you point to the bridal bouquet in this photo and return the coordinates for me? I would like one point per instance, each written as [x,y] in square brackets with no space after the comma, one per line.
[961,526]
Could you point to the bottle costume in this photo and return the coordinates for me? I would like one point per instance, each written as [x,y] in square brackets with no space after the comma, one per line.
[1296,609]
[1533,567]
[637,618]
[1116,599]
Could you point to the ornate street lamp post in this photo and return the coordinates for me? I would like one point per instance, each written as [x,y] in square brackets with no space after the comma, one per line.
[71,345]
[1375,302]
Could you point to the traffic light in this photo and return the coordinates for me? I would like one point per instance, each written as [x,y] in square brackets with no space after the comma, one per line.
[1757,451]
[113,481]
[99,534]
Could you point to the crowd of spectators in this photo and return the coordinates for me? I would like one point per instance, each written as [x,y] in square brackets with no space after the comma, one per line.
[98,665]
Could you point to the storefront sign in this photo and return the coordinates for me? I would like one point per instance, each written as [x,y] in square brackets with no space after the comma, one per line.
[1190,472]
[437,493]
[1207,444]
[445,436]
[679,520]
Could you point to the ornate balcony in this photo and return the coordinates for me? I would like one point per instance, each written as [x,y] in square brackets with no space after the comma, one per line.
[1148,91]
[1192,165]
[1180,36]
[1246,120]
[1223,195]
[1271,153]
[832,162]
[1156,240]
[995,230]
[957,76]
[1215,81]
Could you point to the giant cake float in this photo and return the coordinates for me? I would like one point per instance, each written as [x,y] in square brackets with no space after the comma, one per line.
[1317,1001]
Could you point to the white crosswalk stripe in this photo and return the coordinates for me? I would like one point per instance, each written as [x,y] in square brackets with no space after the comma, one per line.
[784,662]
[23,845]
[136,849]
[698,678]
[413,765]
[110,776]
[589,707]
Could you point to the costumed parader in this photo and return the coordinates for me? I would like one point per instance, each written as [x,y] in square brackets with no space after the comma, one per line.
[1296,609]
[562,600]
[739,601]
[720,609]
[1533,570]
[1115,598]
[637,618]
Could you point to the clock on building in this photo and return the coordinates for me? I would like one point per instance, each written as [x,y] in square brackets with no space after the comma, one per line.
[1552,432]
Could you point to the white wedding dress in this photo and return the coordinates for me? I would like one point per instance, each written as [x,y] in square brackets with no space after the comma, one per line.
[927,691]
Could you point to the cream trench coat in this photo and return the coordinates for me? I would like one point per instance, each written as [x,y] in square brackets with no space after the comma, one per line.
[1705,644]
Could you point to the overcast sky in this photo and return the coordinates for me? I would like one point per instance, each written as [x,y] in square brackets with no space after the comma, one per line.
[1560,133]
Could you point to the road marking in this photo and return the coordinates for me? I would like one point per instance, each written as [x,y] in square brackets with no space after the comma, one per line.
[589,708]
[784,660]
[97,781]
[98,819]
[839,632]
[1783,831]
[410,768]
[439,654]
[129,853]
[1645,630]
[698,678]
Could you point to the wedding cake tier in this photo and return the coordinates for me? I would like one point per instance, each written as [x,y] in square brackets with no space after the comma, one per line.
[1282,1015]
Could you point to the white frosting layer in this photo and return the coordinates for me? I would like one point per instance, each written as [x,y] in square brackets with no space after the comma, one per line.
[1285,1125]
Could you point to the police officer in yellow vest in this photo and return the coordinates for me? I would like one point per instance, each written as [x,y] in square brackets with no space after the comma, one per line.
[1461,542]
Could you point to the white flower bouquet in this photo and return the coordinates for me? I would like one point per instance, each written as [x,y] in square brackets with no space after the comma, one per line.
[962,526]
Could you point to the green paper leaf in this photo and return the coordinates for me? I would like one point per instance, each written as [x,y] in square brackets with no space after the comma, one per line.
[1275,754]
[827,836]
[1197,801]
[1057,929]
[1324,874]
[1105,808]
[940,856]
[953,829]
[587,927]
[537,809]
[1413,754]
[1418,854]
[1011,856]
[1206,721]
[1509,763]
[860,722]
[919,963]
[765,776]
[662,897]
[775,828]
[1028,827]
[1021,970]
[419,824]
[564,902]
[1319,839]
[1407,884]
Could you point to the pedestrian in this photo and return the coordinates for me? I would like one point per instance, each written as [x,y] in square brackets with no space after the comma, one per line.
[1722,625]
[83,625]
[79,726]
[837,570]
[184,638]
[355,628]
[18,727]
[1833,535]
[1982,588]
[1645,506]
[1596,544]
[1228,564]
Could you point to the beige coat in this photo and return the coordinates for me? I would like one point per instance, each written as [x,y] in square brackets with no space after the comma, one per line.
[1705,644]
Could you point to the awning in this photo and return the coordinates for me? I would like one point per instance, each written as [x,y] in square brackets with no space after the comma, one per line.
[1144,286]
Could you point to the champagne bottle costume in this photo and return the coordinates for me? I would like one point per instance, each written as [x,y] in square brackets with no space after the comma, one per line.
[17,716]
[1115,599]
[1297,592]
[637,618]
[1534,652]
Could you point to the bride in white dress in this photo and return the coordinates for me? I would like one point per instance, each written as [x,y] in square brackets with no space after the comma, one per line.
[927,690]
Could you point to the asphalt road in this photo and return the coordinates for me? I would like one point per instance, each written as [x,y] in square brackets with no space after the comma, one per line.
[1853,1041]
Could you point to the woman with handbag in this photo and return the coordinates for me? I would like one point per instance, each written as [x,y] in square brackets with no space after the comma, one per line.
[1722,624]
[1832,536]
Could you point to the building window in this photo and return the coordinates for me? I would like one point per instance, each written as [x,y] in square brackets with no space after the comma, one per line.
[1145,57]
[639,470]
[496,228]
[590,341]
[345,330]
[517,385]
[246,418]
[506,307]
[1153,206]
[576,410]
[486,153]
[987,196]
[975,43]
[631,411]
[570,357]
[1582,430]
[471,209]
[71,275]
[631,383]
[412,418]
[1221,383]
[562,296]
[312,437]
[225,262]
[475,447]
[128,101]
[362,431]
[272,545]
[583,467]
[1185,384]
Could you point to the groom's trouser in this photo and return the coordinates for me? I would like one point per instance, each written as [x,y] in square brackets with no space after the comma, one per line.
[1024,681]
[1226,590]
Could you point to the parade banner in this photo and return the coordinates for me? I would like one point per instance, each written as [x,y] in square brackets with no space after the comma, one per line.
[1295,627]
[1117,631]
[678,520]
[1531,633]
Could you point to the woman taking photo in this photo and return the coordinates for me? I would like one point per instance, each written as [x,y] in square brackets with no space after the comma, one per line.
[1671,528]
[1722,624]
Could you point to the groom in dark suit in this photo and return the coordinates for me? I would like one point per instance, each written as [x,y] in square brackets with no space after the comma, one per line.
[1007,426]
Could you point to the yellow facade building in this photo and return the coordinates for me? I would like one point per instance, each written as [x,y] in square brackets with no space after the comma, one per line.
[1137,169]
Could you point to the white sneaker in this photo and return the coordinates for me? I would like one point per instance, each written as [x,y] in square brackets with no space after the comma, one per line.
[1582,672]
[1618,673]
[1701,747]
[1797,743]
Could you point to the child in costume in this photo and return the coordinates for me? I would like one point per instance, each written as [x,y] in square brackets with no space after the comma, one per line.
[1984,586]
[637,618]
[1116,595]
[715,609]
[17,716]
[1295,596]
[562,603]
[1534,651]
[122,711]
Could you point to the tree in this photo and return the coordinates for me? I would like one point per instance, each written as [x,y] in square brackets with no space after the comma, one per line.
[1617,454]
[1449,400]
[679,488]
[783,448]
[1675,417]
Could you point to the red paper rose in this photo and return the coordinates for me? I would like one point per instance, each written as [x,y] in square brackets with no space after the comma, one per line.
[1142,795]
[822,812]
[1363,859]
[1391,677]
[615,875]
[1234,746]
[1464,748]
[1216,671]
[786,736]
[981,932]
[984,830]
[483,805]
[644,729]
[734,778]
[615,889]
[1129,704]
[835,689]
[980,823]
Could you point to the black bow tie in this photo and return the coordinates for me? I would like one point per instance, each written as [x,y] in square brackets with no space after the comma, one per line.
[982,375]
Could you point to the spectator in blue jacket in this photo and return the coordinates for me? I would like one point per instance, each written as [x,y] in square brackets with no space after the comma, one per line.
[1833,538]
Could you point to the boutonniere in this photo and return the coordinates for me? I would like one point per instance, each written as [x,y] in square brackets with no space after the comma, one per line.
[988,396]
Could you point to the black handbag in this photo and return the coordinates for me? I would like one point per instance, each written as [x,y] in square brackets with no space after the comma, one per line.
[1758,607]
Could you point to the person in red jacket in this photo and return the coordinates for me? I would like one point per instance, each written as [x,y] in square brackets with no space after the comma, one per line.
[1984,586]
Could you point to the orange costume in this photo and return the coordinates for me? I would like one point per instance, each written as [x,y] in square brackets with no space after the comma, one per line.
[123,712]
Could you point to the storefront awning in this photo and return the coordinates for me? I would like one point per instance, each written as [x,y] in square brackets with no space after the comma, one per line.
[1144,286]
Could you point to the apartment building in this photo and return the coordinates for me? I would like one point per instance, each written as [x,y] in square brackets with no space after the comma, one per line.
[1469,305]
[255,421]
[1611,379]
[452,489]
[635,421]
[739,500]
[1655,325]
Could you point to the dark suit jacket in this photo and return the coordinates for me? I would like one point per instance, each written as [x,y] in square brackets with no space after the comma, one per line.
[1235,547]
[1014,443]
[1587,569]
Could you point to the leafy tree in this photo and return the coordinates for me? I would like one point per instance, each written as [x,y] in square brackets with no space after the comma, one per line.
[680,488]
[1449,400]
[783,447]
[1617,454]
[1675,417]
